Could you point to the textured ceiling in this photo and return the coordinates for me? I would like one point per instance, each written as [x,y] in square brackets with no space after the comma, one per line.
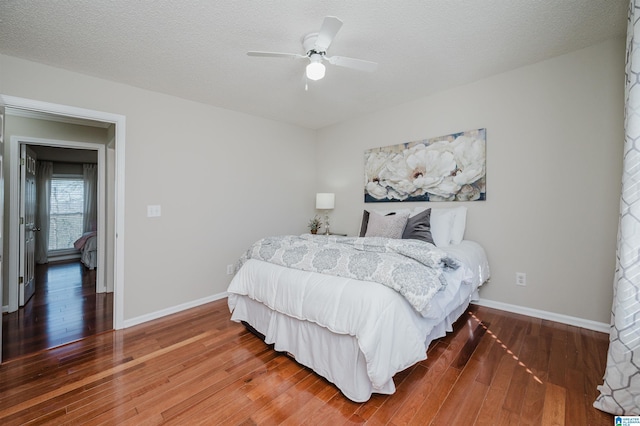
[197,49]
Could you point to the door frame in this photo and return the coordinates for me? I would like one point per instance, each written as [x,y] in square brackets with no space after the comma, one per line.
[119,137]
[15,144]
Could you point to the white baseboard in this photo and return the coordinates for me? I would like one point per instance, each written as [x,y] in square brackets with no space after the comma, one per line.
[173,310]
[551,316]
[536,313]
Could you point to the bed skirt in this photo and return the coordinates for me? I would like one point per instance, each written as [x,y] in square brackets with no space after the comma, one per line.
[336,357]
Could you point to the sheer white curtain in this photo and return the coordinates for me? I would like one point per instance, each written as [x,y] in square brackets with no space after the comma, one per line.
[90,218]
[43,189]
[620,393]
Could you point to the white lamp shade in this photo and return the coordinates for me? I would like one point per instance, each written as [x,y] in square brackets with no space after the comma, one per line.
[325,201]
[315,71]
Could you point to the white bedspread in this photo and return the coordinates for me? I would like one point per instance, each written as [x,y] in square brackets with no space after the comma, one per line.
[389,332]
[413,268]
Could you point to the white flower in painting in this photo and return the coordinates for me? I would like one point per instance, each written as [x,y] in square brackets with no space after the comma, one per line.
[397,177]
[438,165]
[373,165]
[376,190]
[420,169]
[402,171]
[469,155]
[445,190]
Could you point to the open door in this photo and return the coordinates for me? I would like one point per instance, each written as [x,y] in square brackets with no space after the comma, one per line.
[27,279]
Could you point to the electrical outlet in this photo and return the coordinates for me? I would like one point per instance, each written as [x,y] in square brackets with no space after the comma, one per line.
[230,269]
[521,278]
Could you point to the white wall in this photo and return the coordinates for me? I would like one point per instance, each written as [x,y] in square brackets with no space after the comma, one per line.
[222,178]
[554,165]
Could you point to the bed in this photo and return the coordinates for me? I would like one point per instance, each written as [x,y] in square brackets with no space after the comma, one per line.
[358,333]
[88,246]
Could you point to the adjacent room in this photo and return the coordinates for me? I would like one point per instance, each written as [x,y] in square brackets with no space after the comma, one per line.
[491,142]
[57,299]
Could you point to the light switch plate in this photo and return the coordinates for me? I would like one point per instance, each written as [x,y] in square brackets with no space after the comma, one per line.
[153,211]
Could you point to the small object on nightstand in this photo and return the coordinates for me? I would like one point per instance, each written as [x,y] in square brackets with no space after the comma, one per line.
[338,234]
[314,224]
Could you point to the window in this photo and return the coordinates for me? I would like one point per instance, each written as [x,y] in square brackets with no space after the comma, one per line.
[67,205]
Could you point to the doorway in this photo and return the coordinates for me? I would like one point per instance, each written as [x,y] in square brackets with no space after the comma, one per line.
[58,252]
[113,267]
[58,152]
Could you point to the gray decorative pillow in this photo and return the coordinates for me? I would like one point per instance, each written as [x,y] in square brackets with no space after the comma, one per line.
[386,226]
[419,227]
[365,222]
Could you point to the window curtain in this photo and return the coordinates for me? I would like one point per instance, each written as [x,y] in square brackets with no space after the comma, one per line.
[90,217]
[43,187]
[620,392]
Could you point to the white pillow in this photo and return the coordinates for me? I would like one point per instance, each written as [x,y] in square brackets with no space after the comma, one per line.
[449,224]
[441,225]
[386,226]
[459,224]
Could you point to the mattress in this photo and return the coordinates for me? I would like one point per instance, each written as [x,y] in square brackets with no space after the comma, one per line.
[356,334]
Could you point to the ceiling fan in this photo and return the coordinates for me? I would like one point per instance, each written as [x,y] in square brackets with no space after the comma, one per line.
[315,47]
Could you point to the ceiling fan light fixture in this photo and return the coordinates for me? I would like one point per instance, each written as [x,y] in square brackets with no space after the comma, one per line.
[315,71]
[315,46]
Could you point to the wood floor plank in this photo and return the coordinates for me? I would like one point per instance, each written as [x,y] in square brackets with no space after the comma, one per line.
[198,367]
[575,397]
[323,392]
[337,410]
[464,399]
[73,386]
[533,403]
[496,394]
[283,407]
[64,308]
[418,391]
[197,387]
[437,398]
[557,361]
[553,412]
[150,400]
[516,392]
[470,345]
[267,394]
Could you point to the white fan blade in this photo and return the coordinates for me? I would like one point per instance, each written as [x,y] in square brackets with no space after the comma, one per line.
[276,55]
[330,27]
[356,64]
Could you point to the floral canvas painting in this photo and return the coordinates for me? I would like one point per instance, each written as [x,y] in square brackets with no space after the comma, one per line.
[445,168]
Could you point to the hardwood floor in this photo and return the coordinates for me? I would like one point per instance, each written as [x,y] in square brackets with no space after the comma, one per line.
[197,367]
[64,308]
